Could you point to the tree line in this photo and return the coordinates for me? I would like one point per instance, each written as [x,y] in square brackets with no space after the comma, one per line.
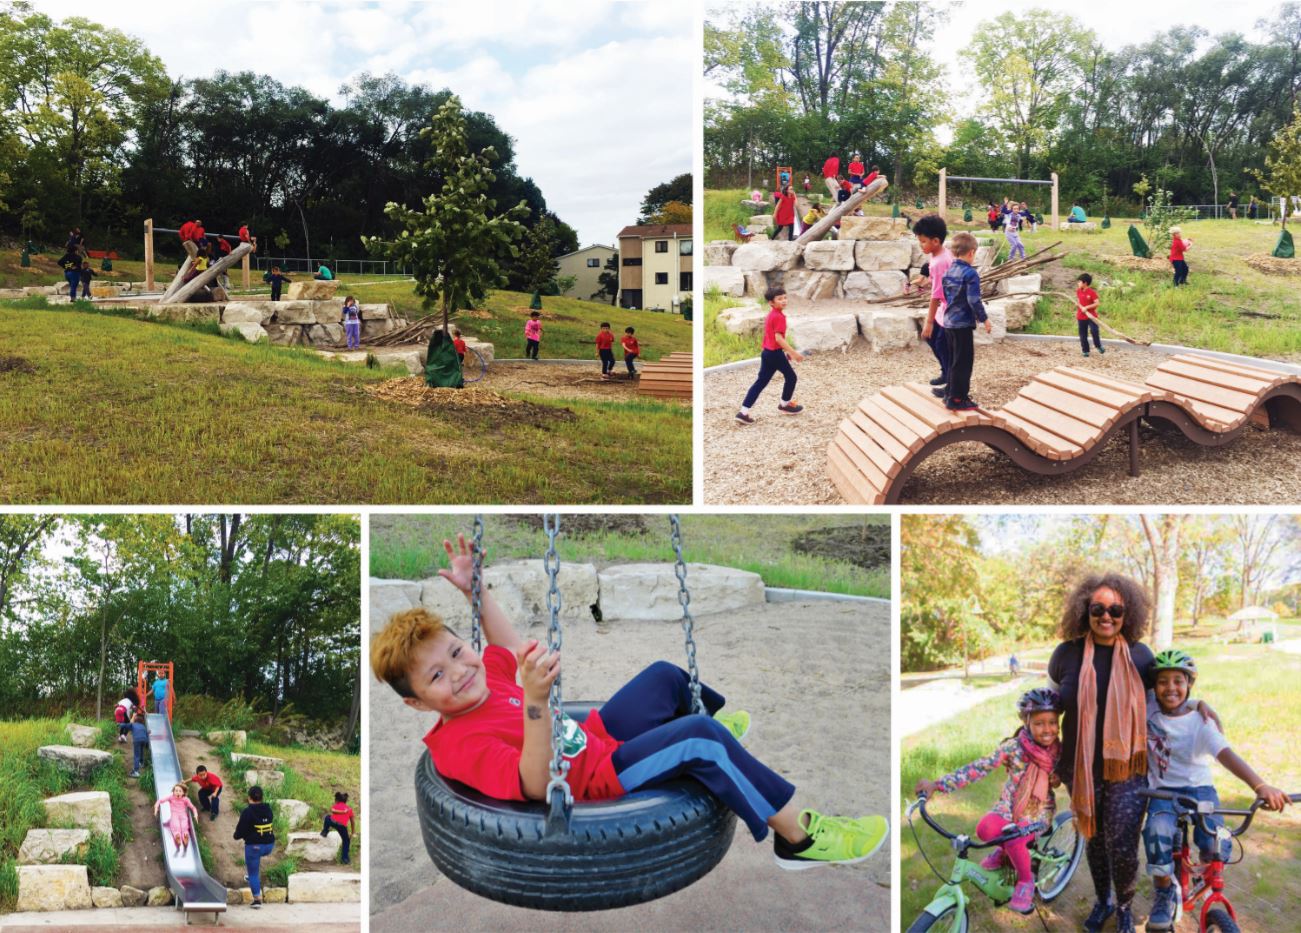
[263,607]
[963,598]
[1185,111]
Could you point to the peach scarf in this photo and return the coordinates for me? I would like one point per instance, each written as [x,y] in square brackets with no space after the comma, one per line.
[1124,729]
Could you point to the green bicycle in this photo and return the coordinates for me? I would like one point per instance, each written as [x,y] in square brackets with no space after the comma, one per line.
[1054,856]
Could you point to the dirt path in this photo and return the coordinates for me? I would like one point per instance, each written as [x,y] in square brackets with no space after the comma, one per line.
[140,862]
[937,700]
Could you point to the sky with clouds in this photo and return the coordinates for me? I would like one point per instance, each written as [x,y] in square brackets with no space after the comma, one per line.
[597,95]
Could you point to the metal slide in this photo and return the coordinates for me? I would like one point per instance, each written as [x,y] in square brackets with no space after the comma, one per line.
[194,890]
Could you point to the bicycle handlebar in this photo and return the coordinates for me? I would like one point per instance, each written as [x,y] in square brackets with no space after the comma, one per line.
[1199,810]
[1018,832]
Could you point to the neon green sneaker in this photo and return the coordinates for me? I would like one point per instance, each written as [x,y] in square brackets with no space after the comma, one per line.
[737,723]
[836,840]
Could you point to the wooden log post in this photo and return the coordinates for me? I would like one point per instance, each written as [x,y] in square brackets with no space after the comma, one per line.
[177,279]
[819,229]
[149,254]
[208,275]
[1054,201]
[244,263]
[942,206]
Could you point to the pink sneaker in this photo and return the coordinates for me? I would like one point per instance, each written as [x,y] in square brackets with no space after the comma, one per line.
[1023,898]
[994,860]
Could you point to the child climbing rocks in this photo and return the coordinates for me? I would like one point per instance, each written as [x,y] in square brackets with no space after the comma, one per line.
[177,818]
[532,335]
[209,790]
[963,309]
[351,321]
[276,278]
[343,820]
[1086,313]
[605,349]
[775,357]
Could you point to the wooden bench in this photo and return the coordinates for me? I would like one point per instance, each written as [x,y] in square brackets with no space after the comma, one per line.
[1058,422]
[671,377]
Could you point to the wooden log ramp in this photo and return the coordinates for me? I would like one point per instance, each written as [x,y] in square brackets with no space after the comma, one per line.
[1058,422]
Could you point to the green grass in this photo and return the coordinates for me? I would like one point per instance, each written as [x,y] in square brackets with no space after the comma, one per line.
[121,412]
[277,875]
[1252,688]
[410,547]
[721,345]
[101,861]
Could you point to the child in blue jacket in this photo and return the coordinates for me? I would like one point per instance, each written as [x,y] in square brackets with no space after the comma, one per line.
[963,309]
[140,741]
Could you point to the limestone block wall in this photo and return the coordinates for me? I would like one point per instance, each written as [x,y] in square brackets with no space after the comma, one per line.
[309,323]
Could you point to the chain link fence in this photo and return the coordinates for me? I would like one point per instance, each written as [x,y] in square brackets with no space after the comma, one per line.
[337,266]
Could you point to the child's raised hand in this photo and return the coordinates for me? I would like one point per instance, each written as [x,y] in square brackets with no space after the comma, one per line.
[460,571]
[538,669]
[925,787]
[1274,798]
[989,327]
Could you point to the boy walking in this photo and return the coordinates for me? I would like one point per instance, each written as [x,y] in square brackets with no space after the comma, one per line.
[931,231]
[139,741]
[532,335]
[631,349]
[775,358]
[605,349]
[962,312]
[1086,313]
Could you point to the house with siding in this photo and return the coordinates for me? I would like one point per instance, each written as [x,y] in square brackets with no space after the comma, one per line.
[586,266]
[655,265]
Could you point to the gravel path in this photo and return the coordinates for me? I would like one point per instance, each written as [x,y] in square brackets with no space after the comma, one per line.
[782,460]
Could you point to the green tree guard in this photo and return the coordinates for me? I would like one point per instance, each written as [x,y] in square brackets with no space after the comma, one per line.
[442,365]
[1137,244]
[535,303]
[1284,249]
[1106,221]
[920,204]
[686,308]
[26,260]
[966,215]
[106,265]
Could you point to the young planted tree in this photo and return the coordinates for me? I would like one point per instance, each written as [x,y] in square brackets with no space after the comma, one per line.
[1282,174]
[537,262]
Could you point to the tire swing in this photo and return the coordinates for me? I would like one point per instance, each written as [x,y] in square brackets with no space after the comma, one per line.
[562,855]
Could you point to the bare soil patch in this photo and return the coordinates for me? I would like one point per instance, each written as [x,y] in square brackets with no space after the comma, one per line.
[866,546]
[581,524]
[1138,262]
[15,364]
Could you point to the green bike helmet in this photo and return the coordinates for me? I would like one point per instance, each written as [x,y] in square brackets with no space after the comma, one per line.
[1172,659]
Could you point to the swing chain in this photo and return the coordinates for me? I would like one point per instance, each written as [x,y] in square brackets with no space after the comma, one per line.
[688,623]
[476,587]
[558,790]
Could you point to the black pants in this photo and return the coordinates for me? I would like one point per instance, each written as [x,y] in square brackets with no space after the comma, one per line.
[1181,271]
[962,357]
[790,232]
[343,831]
[607,361]
[628,360]
[1087,329]
[1112,853]
[209,800]
[530,349]
[275,292]
[772,362]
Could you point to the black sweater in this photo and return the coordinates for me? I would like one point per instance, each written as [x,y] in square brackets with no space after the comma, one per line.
[254,825]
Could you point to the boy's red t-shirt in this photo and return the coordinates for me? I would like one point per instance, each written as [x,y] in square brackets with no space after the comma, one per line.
[785,213]
[1177,247]
[243,234]
[604,340]
[1083,298]
[207,781]
[856,168]
[773,324]
[630,344]
[186,231]
[482,748]
[341,813]
[831,167]
[459,344]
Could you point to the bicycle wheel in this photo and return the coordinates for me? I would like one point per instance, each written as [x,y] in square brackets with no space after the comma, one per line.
[474,367]
[1057,857]
[1220,921]
[950,921]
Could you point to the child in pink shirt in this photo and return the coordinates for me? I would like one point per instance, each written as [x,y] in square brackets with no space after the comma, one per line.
[532,335]
[930,231]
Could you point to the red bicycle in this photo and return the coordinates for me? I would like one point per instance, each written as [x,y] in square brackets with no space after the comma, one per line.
[1195,880]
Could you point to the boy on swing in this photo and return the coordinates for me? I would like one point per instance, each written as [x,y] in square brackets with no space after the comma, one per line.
[495,735]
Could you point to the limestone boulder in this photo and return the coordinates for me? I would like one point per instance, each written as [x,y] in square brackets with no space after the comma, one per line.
[132,897]
[918,257]
[1031,282]
[311,290]
[888,328]
[188,313]
[760,222]
[767,255]
[236,897]
[389,597]
[313,847]
[984,256]
[159,896]
[295,812]
[756,284]
[261,762]
[866,286]
[88,809]
[719,252]
[998,323]
[105,897]
[880,255]
[264,778]
[830,255]
[275,895]
[251,332]
[1078,228]
[294,312]
[487,350]
[238,738]
[49,846]
[378,328]
[324,887]
[819,334]
[743,320]
[53,887]
[521,589]
[445,601]
[323,335]
[82,736]
[371,312]
[632,592]
[1017,312]
[79,762]
[284,335]
[727,279]
[809,285]
[247,312]
[872,228]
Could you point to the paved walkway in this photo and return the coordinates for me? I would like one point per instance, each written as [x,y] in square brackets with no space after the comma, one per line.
[319,918]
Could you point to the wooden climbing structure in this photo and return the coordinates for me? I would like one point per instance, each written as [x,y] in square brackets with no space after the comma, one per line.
[1058,422]
[668,378]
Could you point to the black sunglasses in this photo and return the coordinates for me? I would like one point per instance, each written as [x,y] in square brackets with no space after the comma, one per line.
[1115,610]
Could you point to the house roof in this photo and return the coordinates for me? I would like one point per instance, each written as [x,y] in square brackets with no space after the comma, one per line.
[653,230]
[584,249]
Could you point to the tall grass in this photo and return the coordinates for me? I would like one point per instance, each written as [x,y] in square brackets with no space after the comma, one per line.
[721,345]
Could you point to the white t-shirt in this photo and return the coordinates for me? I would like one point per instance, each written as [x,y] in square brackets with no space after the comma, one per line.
[1180,750]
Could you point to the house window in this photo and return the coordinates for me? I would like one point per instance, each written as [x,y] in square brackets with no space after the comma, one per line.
[661,246]
[684,247]
[661,278]
[593,263]
[684,281]
[632,262]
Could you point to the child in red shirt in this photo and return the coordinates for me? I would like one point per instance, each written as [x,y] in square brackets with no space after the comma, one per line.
[209,790]
[1086,313]
[494,734]
[784,216]
[459,343]
[532,335]
[342,820]
[775,358]
[1178,245]
[605,349]
[631,349]
[856,170]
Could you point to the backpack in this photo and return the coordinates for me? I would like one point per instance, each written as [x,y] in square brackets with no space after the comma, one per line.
[119,715]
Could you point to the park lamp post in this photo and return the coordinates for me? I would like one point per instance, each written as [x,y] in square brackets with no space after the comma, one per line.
[975,610]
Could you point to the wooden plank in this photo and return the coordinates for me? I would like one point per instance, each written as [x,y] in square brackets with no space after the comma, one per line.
[1212,417]
[1081,409]
[1140,393]
[853,433]
[907,419]
[1068,382]
[861,494]
[1244,369]
[883,438]
[1073,430]
[935,418]
[864,491]
[1042,442]
[1249,384]
[1203,391]
[888,424]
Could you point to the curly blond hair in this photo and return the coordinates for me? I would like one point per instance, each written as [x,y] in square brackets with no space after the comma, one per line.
[392,649]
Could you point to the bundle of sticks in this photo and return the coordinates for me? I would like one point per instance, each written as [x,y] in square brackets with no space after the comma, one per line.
[989,279]
[417,331]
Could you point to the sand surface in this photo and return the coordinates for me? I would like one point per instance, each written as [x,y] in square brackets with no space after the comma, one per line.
[816,679]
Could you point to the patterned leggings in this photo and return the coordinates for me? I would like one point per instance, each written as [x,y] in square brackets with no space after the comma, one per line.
[1113,851]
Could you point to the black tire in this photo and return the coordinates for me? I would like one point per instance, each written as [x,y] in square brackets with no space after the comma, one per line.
[942,923]
[1220,921]
[1063,839]
[618,852]
[474,367]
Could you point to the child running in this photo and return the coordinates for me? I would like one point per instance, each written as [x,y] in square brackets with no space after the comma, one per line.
[1012,233]
[775,357]
[1180,749]
[178,820]
[494,735]
[532,335]
[931,231]
[350,318]
[1179,246]
[341,819]
[1029,755]
[1086,313]
[605,349]
[631,349]
[963,308]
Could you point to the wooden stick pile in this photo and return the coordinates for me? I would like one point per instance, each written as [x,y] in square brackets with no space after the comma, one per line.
[417,331]
[989,280]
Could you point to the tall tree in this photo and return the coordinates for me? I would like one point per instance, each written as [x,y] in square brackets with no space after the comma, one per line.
[1163,537]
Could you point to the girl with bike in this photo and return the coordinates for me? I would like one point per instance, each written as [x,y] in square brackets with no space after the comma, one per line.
[1030,757]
